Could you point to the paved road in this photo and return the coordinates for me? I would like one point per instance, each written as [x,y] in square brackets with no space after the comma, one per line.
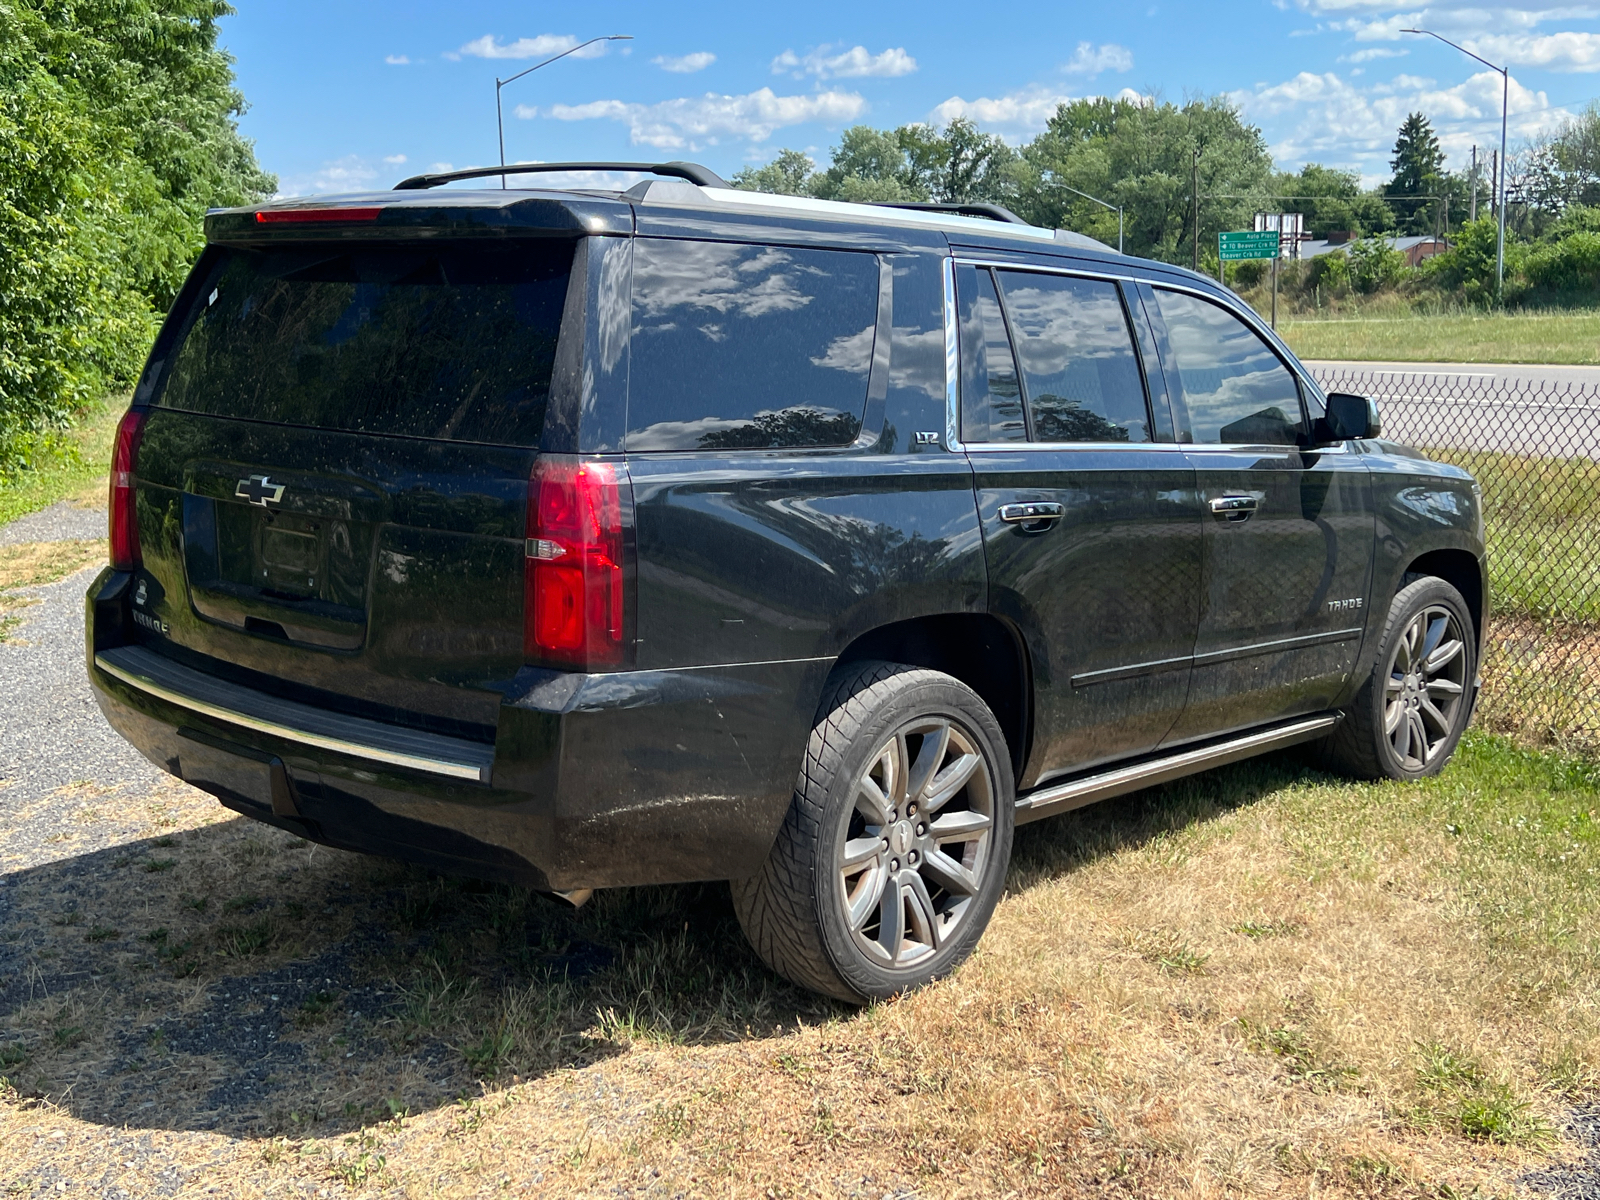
[1514,408]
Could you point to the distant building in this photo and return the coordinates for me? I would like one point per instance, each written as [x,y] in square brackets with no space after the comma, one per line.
[1414,248]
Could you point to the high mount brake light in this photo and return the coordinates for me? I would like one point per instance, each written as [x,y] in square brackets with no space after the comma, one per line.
[300,216]
[124,516]
[573,601]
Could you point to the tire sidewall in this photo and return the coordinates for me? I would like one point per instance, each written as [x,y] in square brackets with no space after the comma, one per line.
[1408,602]
[930,695]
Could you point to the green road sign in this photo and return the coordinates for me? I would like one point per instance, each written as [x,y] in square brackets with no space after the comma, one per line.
[1233,247]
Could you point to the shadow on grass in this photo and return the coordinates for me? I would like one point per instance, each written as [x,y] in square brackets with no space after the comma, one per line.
[238,979]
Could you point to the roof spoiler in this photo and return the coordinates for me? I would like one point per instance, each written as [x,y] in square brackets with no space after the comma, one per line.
[693,172]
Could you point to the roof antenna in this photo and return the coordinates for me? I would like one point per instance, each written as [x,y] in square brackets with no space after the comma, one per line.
[499,116]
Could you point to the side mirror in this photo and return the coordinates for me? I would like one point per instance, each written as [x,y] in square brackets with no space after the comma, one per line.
[1350,417]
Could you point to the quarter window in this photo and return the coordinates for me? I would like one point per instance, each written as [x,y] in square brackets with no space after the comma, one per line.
[1234,388]
[1079,367]
[743,347]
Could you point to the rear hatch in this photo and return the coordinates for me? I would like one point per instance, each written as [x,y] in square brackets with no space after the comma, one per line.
[333,480]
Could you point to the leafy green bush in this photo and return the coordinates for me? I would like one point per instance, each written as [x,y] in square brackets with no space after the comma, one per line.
[1570,265]
[117,131]
[1330,272]
[1374,264]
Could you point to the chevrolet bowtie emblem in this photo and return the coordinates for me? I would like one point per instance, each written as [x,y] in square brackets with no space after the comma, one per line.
[259,489]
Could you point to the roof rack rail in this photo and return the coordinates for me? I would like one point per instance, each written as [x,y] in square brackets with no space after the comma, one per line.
[993,212]
[693,172]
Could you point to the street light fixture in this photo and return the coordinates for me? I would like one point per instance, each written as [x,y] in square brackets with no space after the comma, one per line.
[1500,183]
[499,117]
[1116,208]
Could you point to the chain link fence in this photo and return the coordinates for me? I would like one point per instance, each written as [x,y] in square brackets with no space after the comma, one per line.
[1535,449]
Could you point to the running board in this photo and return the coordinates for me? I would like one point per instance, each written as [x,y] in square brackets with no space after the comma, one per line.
[1075,793]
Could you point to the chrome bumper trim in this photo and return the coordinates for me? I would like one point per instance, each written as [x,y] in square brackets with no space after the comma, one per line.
[129,672]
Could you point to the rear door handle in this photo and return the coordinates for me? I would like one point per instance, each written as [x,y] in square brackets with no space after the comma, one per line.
[1034,517]
[1234,508]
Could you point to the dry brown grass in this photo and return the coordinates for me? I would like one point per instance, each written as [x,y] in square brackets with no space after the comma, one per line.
[1257,981]
[29,564]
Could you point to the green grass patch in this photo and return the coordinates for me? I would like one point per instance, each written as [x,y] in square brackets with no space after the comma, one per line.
[68,466]
[1568,336]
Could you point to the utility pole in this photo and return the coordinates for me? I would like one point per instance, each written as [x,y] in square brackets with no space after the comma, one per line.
[1195,200]
[1472,214]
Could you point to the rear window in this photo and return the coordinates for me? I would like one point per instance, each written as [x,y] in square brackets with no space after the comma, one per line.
[742,347]
[429,341]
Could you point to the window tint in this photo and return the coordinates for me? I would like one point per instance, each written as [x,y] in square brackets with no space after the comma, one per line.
[1234,387]
[738,347]
[991,398]
[1078,365]
[438,341]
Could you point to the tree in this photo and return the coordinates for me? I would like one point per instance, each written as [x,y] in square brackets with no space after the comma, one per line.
[1140,154]
[790,174]
[1332,201]
[1418,166]
[118,129]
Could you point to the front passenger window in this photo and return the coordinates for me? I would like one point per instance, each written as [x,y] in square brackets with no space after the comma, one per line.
[1236,390]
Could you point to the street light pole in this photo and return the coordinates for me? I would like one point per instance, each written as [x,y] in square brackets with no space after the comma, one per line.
[1116,208]
[1500,181]
[499,117]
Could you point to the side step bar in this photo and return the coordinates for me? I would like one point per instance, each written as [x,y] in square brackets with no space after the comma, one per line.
[1075,793]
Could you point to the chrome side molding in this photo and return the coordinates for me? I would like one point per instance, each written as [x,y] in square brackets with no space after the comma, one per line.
[1075,793]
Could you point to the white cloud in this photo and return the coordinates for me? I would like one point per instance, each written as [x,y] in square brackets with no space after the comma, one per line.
[542,46]
[394,159]
[352,173]
[693,121]
[685,64]
[1371,53]
[1565,51]
[1016,114]
[1091,60]
[855,63]
[440,167]
[397,60]
[1325,118]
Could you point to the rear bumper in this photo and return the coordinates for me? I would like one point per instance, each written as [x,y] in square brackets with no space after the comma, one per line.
[592,781]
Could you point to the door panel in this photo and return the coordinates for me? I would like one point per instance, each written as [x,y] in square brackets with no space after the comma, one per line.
[1284,587]
[1092,534]
[1106,597]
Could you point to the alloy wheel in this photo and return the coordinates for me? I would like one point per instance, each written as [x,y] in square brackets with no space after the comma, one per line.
[915,852]
[1426,686]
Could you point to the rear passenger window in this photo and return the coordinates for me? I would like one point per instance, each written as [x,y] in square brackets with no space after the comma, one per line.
[1079,368]
[991,397]
[744,347]
[1235,389]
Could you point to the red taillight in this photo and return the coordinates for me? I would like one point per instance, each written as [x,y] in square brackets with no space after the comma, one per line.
[573,605]
[300,216]
[124,483]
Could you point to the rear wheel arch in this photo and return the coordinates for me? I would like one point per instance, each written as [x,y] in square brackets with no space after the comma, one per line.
[982,651]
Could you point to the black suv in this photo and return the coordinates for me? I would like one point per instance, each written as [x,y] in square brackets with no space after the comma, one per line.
[586,538]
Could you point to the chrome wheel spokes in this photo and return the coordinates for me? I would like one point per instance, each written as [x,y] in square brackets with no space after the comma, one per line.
[1425,687]
[915,851]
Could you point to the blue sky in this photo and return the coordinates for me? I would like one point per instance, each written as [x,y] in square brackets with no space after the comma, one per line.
[350,96]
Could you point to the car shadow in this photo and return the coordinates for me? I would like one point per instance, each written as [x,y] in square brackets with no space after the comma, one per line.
[236,978]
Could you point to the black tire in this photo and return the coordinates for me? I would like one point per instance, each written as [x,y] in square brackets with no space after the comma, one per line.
[879,722]
[1421,677]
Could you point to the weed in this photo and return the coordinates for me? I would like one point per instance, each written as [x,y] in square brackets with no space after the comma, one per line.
[1303,1062]
[793,1066]
[165,842]
[241,903]
[12,1055]
[314,1009]
[1170,952]
[1267,929]
[156,937]
[237,941]
[69,1036]
[70,917]
[671,1121]
[194,903]
[489,1053]
[1494,1114]
[155,866]
[101,933]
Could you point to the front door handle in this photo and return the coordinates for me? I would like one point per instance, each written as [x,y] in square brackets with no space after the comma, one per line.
[1033,517]
[1234,508]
